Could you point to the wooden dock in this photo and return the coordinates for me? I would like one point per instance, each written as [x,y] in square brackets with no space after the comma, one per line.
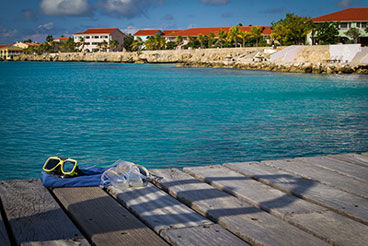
[303,201]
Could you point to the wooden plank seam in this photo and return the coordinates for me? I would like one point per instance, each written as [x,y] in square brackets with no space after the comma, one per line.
[301,196]
[70,216]
[7,226]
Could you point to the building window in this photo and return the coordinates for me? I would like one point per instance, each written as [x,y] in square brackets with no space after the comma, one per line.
[104,36]
[87,43]
[345,25]
[362,25]
[87,37]
[95,37]
[95,43]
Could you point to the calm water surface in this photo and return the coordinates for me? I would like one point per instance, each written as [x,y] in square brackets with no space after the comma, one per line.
[162,116]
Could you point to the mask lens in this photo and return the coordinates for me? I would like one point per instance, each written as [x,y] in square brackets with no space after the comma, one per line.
[69,166]
[51,164]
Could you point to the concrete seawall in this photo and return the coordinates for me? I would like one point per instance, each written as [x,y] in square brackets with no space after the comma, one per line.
[307,59]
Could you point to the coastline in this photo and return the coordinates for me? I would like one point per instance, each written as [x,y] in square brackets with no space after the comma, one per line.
[299,59]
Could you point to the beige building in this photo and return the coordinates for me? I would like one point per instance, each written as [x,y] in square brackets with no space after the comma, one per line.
[25,45]
[8,52]
[94,36]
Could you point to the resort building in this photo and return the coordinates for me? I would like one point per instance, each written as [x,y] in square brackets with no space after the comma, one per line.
[171,35]
[61,40]
[144,34]
[347,18]
[8,51]
[93,37]
[25,45]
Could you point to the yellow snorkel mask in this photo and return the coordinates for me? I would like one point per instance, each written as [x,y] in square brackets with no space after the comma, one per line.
[64,167]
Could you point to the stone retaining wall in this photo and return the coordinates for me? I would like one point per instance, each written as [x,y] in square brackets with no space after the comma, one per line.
[309,59]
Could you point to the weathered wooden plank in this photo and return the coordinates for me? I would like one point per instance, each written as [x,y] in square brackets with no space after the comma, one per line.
[104,220]
[158,209]
[4,238]
[350,158]
[339,201]
[75,242]
[332,227]
[344,168]
[194,236]
[248,222]
[325,176]
[33,214]
[165,215]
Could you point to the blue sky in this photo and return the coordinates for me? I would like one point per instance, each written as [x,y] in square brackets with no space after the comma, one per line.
[32,19]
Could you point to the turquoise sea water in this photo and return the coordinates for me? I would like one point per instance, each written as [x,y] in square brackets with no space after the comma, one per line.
[163,116]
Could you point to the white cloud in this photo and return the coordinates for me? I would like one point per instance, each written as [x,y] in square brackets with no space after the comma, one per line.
[65,7]
[130,29]
[345,3]
[215,2]
[129,8]
[46,26]
[6,34]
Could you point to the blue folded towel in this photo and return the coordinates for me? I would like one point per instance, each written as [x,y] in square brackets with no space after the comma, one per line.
[92,177]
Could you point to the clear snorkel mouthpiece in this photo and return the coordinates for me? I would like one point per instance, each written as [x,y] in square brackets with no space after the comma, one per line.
[125,174]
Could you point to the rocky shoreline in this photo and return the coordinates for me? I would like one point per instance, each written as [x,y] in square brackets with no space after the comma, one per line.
[308,59]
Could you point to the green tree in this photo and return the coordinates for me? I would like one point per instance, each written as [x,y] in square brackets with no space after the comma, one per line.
[221,37]
[68,46]
[211,38]
[171,45]
[136,45]
[81,43]
[291,30]
[150,43]
[49,38]
[113,45]
[191,42]
[244,35]
[201,39]
[179,40]
[257,34]
[127,42]
[160,41]
[233,35]
[27,41]
[353,33]
[326,33]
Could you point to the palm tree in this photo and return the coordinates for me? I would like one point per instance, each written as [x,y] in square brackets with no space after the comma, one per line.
[221,37]
[233,35]
[211,37]
[81,43]
[104,45]
[244,36]
[113,45]
[150,43]
[191,41]
[201,39]
[256,33]
[159,42]
[137,44]
[179,40]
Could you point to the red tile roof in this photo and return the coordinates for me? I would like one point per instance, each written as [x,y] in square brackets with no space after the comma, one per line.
[98,31]
[4,45]
[62,38]
[352,14]
[171,33]
[207,30]
[147,32]
[33,44]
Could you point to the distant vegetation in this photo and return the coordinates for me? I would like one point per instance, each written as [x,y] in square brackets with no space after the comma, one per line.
[292,30]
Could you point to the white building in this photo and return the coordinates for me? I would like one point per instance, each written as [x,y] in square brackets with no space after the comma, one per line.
[144,34]
[93,36]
